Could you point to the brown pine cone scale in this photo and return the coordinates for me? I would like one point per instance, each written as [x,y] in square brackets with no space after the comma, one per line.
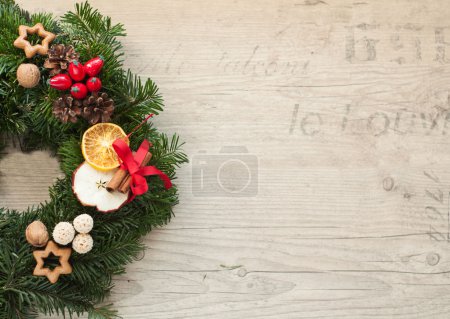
[97,108]
[59,58]
[66,108]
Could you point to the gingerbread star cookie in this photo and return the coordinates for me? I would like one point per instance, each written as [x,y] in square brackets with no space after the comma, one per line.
[30,50]
[53,275]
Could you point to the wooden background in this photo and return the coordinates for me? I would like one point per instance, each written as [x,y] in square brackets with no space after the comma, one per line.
[343,107]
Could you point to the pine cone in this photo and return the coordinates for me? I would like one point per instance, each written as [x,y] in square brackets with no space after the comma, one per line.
[59,57]
[97,108]
[66,108]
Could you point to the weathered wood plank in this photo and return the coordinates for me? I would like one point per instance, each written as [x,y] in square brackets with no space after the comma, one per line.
[345,106]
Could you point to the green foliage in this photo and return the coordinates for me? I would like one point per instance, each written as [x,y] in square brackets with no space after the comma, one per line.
[166,154]
[104,312]
[133,96]
[11,117]
[93,35]
[27,115]
[70,154]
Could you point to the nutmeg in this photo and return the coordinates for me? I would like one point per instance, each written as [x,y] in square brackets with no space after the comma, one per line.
[28,75]
[37,234]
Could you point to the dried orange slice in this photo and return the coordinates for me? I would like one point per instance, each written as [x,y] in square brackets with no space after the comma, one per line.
[97,148]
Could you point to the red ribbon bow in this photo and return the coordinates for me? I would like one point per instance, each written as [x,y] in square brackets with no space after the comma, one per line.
[133,165]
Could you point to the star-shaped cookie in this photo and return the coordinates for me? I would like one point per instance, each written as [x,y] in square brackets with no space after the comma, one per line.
[53,275]
[30,50]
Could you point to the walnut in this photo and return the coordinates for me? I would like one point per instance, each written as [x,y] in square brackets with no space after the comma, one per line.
[37,234]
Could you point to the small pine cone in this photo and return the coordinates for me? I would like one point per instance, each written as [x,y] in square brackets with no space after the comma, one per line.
[59,58]
[97,108]
[66,108]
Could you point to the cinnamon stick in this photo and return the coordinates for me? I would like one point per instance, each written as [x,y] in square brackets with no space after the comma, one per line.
[120,175]
[116,180]
[125,186]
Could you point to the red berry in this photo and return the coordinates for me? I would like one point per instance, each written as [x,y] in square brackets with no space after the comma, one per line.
[76,71]
[94,66]
[94,84]
[60,82]
[79,91]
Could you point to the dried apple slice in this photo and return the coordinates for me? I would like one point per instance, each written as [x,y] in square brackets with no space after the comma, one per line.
[89,185]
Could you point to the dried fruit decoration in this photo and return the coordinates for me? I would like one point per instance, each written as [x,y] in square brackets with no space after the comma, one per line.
[89,186]
[96,145]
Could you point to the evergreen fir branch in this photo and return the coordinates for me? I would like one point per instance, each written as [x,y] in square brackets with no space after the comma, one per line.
[11,118]
[10,311]
[167,154]
[147,131]
[9,63]
[70,155]
[111,257]
[93,34]
[104,312]
[11,16]
[110,51]
[91,279]
[90,23]
[52,299]
[48,129]
[11,122]
[6,2]
[28,114]
[47,20]
[135,99]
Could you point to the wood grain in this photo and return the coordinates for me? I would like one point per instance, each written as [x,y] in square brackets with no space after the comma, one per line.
[343,107]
